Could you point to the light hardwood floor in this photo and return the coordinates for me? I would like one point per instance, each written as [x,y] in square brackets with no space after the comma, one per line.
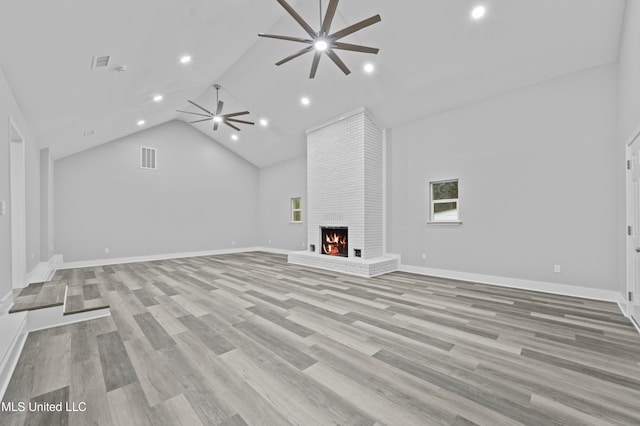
[249,339]
[79,286]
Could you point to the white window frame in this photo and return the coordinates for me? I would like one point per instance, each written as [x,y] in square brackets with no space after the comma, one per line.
[433,202]
[293,211]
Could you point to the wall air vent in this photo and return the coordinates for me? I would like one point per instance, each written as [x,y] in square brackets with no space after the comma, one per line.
[100,62]
[148,158]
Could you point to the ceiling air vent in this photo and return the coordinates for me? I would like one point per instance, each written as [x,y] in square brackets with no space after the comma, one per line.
[148,158]
[100,62]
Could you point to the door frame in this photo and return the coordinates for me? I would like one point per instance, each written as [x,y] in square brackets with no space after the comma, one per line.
[18,207]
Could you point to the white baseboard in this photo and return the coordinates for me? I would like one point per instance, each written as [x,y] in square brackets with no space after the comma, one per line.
[151,258]
[43,271]
[14,331]
[623,305]
[545,287]
[635,324]
[6,302]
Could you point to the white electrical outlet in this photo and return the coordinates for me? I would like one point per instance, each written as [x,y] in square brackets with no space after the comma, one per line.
[233,243]
[557,269]
[269,241]
[106,250]
[3,208]
[424,256]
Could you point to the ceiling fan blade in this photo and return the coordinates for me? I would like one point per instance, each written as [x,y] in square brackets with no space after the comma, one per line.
[240,121]
[355,27]
[298,18]
[205,110]
[219,110]
[295,55]
[235,114]
[194,113]
[231,125]
[198,121]
[355,48]
[328,17]
[279,37]
[314,65]
[215,125]
[331,54]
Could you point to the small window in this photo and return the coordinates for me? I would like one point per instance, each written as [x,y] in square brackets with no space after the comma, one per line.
[148,159]
[296,210]
[445,206]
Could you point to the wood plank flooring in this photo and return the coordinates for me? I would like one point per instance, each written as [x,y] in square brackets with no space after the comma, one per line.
[38,296]
[83,289]
[247,339]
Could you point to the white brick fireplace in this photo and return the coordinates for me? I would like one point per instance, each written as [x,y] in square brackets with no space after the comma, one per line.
[345,190]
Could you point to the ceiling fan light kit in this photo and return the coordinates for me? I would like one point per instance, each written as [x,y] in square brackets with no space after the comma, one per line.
[218,117]
[323,41]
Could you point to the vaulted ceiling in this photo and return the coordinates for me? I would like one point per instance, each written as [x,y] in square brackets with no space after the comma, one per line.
[433,57]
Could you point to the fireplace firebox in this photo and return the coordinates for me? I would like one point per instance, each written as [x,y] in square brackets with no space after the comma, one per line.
[334,241]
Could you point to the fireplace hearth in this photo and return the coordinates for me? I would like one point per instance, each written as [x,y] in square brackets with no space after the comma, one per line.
[334,241]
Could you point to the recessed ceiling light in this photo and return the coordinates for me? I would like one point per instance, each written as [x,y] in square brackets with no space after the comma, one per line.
[234,137]
[157,98]
[305,101]
[368,68]
[185,59]
[263,122]
[141,122]
[321,45]
[478,12]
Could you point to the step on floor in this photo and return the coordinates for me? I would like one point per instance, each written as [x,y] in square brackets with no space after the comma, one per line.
[38,296]
[85,289]
[84,292]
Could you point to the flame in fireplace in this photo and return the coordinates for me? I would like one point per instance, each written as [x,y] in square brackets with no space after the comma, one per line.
[335,244]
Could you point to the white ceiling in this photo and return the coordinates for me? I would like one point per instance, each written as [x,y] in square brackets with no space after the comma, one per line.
[433,58]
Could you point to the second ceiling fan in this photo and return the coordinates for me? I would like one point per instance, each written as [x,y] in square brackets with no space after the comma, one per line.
[323,41]
[218,117]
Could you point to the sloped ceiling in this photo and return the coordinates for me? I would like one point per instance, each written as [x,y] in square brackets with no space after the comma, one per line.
[433,58]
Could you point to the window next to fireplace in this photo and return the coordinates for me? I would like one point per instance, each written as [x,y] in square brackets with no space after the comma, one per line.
[334,241]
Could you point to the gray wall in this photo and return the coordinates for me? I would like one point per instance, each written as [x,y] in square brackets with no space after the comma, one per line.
[629,70]
[537,184]
[46,206]
[202,197]
[629,116]
[278,184]
[32,169]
